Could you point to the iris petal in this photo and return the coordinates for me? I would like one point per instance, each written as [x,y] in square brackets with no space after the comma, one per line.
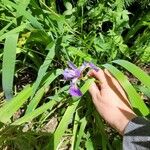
[93,67]
[69,74]
[71,65]
[75,91]
[84,65]
[74,74]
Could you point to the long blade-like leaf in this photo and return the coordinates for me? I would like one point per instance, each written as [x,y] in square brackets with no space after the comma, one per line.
[8,67]
[75,128]
[34,102]
[36,99]
[28,117]
[66,118]
[7,111]
[135,100]
[48,106]
[13,31]
[81,132]
[44,67]
[136,71]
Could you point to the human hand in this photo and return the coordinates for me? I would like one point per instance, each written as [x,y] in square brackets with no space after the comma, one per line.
[110,100]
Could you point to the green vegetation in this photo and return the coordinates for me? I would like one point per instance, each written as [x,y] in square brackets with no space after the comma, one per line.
[37,39]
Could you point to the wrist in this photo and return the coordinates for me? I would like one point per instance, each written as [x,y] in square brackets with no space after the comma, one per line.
[123,122]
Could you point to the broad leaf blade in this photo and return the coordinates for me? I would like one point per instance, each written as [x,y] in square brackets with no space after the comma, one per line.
[135,100]
[7,111]
[34,102]
[66,118]
[28,117]
[13,31]
[136,71]
[8,67]
[47,106]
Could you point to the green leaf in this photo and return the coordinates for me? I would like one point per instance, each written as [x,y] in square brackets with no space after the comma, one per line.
[39,36]
[8,3]
[144,90]
[10,107]
[75,128]
[44,67]
[137,103]
[13,31]
[51,76]
[35,58]
[28,117]
[55,139]
[68,5]
[32,20]
[6,27]
[101,127]
[8,67]
[78,52]
[136,71]
[48,106]
[34,102]
[22,5]
[89,144]
[81,132]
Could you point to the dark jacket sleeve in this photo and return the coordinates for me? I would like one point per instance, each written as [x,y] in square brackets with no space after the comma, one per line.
[137,135]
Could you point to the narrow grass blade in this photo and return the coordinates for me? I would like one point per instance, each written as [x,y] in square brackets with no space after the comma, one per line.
[7,111]
[81,54]
[44,67]
[32,20]
[38,111]
[135,100]
[136,71]
[56,97]
[80,133]
[75,128]
[34,102]
[89,144]
[6,27]
[50,78]
[28,117]
[14,31]
[22,5]
[8,3]
[23,12]
[8,67]
[144,90]
[101,127]
[66,118]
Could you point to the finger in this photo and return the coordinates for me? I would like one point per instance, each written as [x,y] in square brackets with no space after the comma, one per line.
[93,89]
[100,76]
[90,73]
[95,92]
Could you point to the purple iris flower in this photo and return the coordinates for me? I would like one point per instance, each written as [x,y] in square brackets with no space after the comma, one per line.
[88,65]
[91,65]
[74,74]
[74,90]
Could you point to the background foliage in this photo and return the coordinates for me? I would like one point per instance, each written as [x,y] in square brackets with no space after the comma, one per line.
[37,38]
